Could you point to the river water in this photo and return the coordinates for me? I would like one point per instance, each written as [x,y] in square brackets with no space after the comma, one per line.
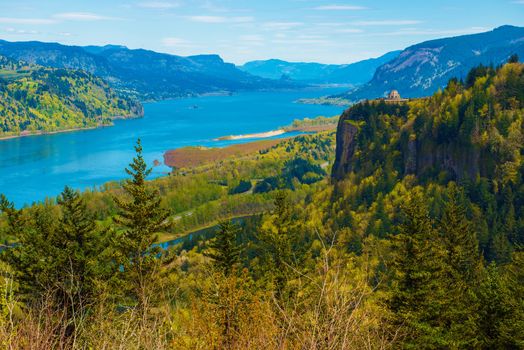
[36,167]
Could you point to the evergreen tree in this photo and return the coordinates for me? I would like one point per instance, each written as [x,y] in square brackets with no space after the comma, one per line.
[82,253]
[61,257]
[510,223]
[16,222]
[463,267]
[417,289]
[225,251]
[276,236]
[32,258]
[459,239]
[141,219]
[500,312]
[513,58]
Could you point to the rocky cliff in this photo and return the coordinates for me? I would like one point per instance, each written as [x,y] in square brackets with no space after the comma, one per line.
[464,132]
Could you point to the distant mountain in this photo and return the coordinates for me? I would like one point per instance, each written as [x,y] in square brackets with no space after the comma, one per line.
[422,69]
[36,99]
[147,74]
[317,73]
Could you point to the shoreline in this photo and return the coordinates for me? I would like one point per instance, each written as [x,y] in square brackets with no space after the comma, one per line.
[43,133]
[279,132]
[259,135]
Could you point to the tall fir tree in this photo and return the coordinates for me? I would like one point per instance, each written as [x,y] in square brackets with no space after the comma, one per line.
[61,259]
[417,290]
[82,254]
[141,218]
[225,250]
[463,267]
[276,236]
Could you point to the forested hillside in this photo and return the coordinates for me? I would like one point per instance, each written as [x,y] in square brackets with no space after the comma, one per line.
[413,242]
[37,99]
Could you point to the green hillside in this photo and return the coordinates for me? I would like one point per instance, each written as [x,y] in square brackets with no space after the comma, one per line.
[36,99]
[414,241]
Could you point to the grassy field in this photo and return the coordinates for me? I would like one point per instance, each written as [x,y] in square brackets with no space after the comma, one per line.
[189,157]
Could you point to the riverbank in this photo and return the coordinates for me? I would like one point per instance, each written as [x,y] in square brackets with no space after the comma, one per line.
[41,133]
[260,135]
[26,133]
[307,125]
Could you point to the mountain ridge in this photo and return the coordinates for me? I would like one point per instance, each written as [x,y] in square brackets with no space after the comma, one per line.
[317,73]
[144,73]
[423,68]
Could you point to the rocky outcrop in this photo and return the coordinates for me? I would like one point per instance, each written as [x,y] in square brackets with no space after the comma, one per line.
[346,133]
[413,154]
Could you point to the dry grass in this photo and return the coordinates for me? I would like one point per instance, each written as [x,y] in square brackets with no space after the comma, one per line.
[188,157]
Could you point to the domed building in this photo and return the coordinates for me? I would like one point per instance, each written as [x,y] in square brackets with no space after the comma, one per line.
[394,96]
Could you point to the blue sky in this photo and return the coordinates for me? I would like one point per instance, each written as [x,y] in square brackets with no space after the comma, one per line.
[328,31]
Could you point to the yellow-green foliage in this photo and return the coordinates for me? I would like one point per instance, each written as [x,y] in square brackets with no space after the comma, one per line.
[38,99]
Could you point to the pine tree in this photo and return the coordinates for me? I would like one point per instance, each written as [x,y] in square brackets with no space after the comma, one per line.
[459,239]
[61,258]
[231,296]
[276,236]
[80,253]
[513,58]
[16,222]
[417,290]
[463,268]
[500,313]
[510,223]
[141,219]
[31,257]
[225,251]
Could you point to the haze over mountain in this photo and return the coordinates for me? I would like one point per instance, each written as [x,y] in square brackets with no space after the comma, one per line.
[316,73]
[148,74]
[422,69]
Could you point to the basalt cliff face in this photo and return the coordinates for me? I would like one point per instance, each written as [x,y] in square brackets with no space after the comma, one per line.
[465,132]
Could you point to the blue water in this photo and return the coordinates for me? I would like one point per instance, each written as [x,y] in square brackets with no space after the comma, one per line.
[36,167]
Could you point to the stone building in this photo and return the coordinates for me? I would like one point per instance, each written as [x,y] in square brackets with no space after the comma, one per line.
[394,96]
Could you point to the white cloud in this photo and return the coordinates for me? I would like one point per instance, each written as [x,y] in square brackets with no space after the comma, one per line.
[282,25]
[221,19]
[208,19]
[387,23]
[299,41]
[349,31]
[82,17]
[251,40]
[339,8]
[432,32]
[30,21]
[172,41]
[242,19]
[158,5]
[331,24]
[21,31]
